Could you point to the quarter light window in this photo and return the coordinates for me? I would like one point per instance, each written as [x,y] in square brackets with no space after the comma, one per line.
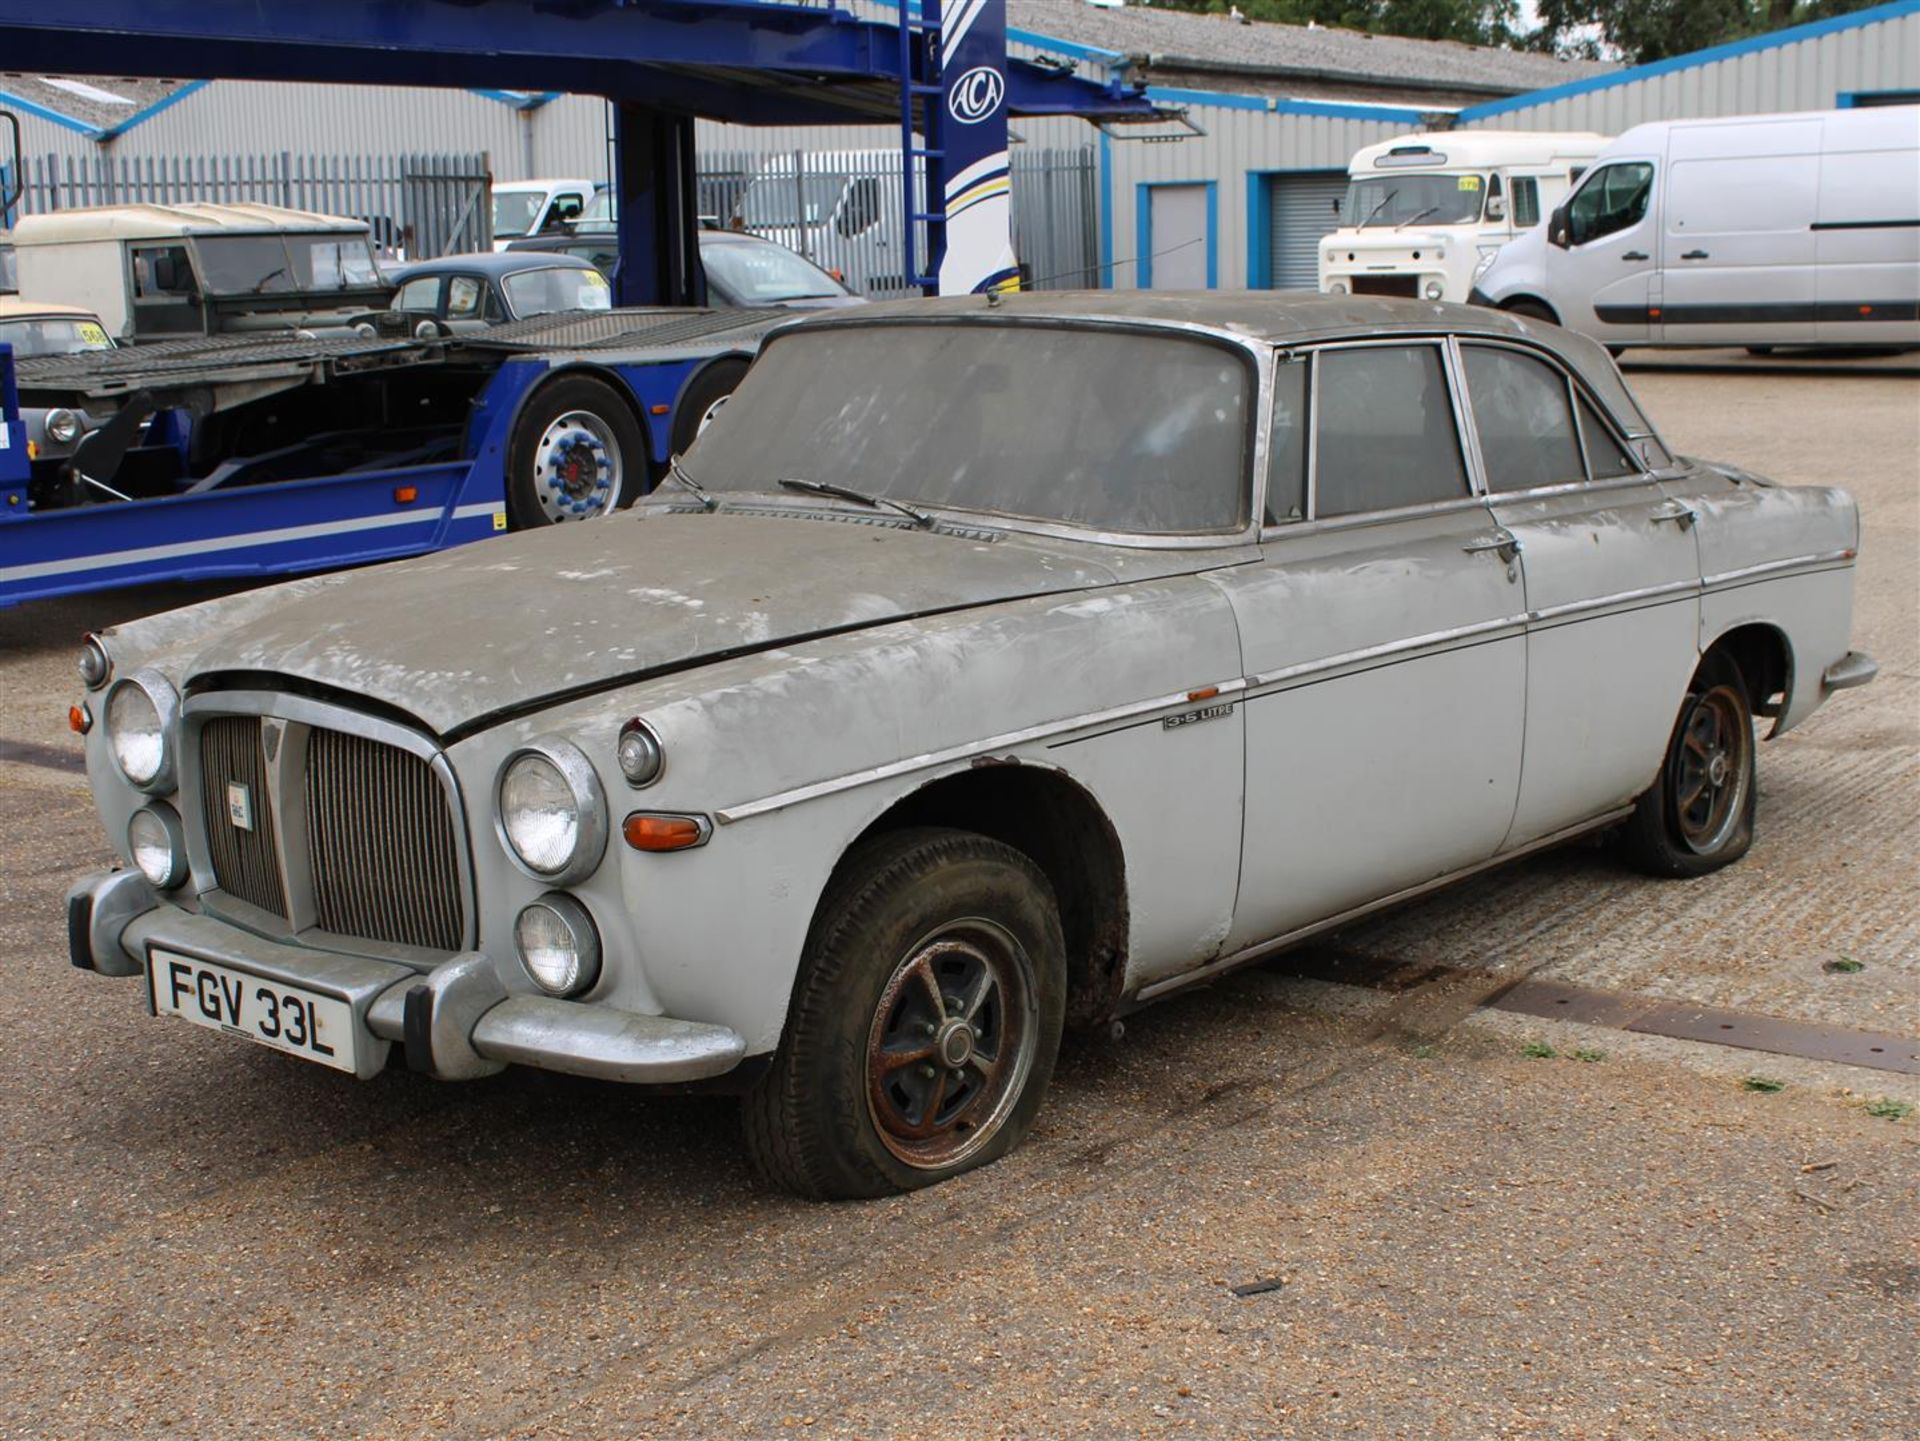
[1386,436]
[1524,419]
[1287,448]
[1605,459]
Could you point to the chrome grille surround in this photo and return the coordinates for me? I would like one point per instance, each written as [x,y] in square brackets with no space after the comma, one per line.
[233,771]
[364,819]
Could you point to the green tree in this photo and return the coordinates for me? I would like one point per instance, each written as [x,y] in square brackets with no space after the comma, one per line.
[1643,30]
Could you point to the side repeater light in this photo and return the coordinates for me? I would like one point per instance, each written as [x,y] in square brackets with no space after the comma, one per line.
[650,831]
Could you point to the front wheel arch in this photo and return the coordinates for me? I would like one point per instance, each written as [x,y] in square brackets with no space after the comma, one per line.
[1532,307]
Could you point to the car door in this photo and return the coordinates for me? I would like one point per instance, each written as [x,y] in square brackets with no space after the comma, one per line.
[1603,278]
[1382,634]
[1612,577]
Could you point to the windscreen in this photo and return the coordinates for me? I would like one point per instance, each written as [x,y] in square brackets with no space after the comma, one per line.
[244,265]
[762,273]
[788,200]
[1117,431]
[545,292]
[514,210]
[53,335]
[332,262]
[1391,200]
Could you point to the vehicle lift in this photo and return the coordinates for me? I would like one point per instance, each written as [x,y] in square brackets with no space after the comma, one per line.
[940,71]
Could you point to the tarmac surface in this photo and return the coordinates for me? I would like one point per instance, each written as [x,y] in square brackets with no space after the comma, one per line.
[1437,1230]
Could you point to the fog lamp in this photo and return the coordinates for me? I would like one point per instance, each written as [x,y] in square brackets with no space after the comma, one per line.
[63,427]
[1433,289]
[558,945]
[157,845]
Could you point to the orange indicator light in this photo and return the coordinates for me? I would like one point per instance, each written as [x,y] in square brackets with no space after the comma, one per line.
[662,833]
[1206,692]
[79,719]
[1866,310]
[405,494]
[658,409]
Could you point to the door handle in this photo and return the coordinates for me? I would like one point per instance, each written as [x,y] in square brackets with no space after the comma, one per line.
[1635,255]
[1504,542]
[1694,255]
[1679,512]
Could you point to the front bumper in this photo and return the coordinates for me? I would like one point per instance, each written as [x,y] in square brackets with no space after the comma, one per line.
[455,1022]
[1855,668]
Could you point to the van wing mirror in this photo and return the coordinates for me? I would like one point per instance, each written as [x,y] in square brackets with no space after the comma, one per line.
[1496,208]
[1560,229]
[1336,205]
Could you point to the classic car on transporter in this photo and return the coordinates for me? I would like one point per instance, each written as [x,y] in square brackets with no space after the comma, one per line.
[989,666]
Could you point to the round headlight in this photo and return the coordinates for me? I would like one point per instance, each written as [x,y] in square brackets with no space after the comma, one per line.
[95,664]
[157,845]
[1433,289]
[553,814]
[640,755]
[141,715]
[1338,287]
[63,427]
[558,945]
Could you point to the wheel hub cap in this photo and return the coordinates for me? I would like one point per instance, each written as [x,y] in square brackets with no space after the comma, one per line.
[955,1043]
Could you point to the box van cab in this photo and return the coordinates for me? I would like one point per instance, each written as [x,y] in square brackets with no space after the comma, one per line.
[159,272]
[840,209]
[1756,230]
[1423,210]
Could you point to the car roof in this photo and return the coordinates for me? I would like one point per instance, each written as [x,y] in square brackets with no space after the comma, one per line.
[487,262]
[152,222]
[12,307]
[1276,317]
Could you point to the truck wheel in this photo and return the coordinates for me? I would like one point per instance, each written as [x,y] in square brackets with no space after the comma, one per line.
[702,399]
[1699,815]
[577,452]
[924,1023]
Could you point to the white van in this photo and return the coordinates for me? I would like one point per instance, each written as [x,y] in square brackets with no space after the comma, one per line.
[843,210]
[1757,230]
[537,207]
[158,272]
[1423,210]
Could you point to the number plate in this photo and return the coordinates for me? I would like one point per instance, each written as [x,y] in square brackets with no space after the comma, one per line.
[288,1018]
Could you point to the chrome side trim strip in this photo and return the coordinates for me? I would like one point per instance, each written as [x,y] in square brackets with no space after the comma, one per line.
[930,759]
[1264,949]
[1618,598]
[1777,567]
[1386,650]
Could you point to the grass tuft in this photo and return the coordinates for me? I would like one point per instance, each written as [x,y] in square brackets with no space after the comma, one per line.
[1764,1083]
[1538,1050]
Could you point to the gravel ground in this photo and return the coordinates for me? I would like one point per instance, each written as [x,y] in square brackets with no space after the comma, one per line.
[201,1238]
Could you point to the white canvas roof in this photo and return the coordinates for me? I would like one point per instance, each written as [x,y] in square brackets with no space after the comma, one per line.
[152,222]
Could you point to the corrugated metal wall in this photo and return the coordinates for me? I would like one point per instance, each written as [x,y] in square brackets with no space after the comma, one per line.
[1810,74]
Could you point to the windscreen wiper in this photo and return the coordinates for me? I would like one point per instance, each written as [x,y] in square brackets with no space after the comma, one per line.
[678,472]
[1421,216]
[843,492]
[1385,201]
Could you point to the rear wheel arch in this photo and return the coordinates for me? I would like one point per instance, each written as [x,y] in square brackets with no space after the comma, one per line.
[1763,655]
[1531,306]
[1056,823]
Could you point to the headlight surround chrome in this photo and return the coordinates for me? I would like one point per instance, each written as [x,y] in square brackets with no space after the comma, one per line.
[95,664]
[63,426]
[158,845]
[559,945]
[551,811]
[143,719]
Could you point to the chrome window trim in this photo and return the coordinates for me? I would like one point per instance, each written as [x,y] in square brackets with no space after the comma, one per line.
[1577,392]
[287,781]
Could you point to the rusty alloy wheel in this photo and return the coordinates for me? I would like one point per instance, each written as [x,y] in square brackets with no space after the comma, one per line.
[951,1043]
[1711,769]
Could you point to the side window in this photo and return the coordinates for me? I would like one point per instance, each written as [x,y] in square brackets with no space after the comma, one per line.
[1613,199]
[419,295]
[464,294]
[1386,435]
[862,208]
[1526,202]
[165,273]
[1605,458]
[1287,448]
[1524,418]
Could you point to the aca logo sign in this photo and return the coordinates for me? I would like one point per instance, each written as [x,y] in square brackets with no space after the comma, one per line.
[976,94]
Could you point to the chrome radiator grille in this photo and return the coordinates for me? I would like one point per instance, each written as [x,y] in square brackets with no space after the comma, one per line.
[385,863]
[331,830]
[239,811]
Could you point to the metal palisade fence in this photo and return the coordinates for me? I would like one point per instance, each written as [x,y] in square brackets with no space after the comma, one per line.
[845,211]
[416,205]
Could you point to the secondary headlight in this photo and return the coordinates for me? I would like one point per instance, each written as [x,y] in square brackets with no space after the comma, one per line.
[553,813]
[1487,252]
[1337,287]
[158,845]
[142,715]
[558,945]
[63,426]
[639,753]
[95,664]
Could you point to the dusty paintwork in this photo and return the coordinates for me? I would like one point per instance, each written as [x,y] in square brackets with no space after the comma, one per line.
[1278,727]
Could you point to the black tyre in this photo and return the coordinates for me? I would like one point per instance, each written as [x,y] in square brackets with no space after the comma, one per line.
[702,399]
[924,1024]
[1533,310]
[577,452]
[1760,350]
[1699,814]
